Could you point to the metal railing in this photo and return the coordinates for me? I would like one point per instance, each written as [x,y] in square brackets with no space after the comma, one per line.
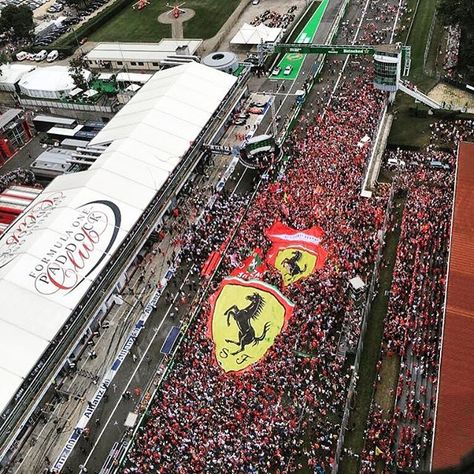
[360,346]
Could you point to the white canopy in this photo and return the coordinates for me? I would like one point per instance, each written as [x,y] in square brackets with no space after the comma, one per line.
[139,77]
[51,255]
[262,33]
[49,82]
[170,110]
[10,74]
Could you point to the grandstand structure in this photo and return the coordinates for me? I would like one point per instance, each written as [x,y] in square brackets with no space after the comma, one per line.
[454,424]
[64,258]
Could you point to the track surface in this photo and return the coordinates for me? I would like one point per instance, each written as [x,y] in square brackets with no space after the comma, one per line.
[295,60]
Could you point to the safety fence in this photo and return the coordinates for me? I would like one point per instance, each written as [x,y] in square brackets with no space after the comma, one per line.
[360,347]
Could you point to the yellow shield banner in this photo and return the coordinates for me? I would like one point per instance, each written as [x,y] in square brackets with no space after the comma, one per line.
[295,253]
[245,319]
[294,263]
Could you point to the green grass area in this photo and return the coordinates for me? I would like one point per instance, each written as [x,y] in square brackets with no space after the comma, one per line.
[143,25]
[418,38]
[407,129]
[372,343]
[306,35]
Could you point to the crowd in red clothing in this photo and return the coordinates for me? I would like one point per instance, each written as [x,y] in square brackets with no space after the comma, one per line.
[401,435]
[205,420]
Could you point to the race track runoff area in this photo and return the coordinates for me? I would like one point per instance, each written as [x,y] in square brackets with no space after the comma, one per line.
[306,36]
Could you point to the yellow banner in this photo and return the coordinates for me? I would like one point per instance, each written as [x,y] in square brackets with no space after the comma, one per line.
[294,264]
[246,317]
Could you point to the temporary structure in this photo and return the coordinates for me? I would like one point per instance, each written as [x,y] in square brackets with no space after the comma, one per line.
[249,34]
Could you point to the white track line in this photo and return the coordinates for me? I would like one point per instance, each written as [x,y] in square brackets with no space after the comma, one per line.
[120,400]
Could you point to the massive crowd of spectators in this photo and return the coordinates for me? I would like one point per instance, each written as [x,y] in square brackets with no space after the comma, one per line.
[207,421]
[401,435]
[273,19]
[452,47]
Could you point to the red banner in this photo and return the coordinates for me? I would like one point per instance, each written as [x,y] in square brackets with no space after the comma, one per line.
[295,253]
[211,263]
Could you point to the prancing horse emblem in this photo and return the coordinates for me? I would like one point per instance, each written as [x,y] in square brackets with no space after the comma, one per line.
[291,264]
[243,318]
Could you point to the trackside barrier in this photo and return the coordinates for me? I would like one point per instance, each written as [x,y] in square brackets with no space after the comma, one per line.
[374,147]
[112,372]
[360,346]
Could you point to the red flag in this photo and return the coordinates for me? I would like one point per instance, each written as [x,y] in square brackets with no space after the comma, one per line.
[295,253]
[211,263]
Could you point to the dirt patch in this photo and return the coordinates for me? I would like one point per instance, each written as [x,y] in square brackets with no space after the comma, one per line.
[452,96]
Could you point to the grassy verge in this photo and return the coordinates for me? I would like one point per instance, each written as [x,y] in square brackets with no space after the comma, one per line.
[143,25]
[418,38]
[354,438]
[407,129]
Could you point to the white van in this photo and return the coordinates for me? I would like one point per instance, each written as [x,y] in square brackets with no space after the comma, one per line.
[52,56]
[395,163]
[41,55]
[22,55]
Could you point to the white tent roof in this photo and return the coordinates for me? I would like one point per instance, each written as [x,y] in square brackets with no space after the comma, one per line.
[50,78]
[51,255]
[12,73]
[249,34]
[133,77]
[170,110]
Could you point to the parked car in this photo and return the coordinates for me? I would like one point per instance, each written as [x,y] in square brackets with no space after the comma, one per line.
[395,163]
[41,56]
[52,56]
[438,165]
[239,121]
[276,71]
[287,70]
[21,56]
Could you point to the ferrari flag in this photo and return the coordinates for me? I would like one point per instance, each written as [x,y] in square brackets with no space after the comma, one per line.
[245,318]
[295,253]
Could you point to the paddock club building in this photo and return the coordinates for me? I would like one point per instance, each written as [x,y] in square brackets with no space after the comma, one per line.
[65,256]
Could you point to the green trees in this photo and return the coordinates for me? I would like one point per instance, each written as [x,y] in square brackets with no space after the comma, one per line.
[19,19]
[462,12]
[76,71]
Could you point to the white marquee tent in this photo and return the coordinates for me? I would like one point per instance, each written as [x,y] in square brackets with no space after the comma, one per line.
[262,33]
[49,82]
[11,73]
[51,255]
